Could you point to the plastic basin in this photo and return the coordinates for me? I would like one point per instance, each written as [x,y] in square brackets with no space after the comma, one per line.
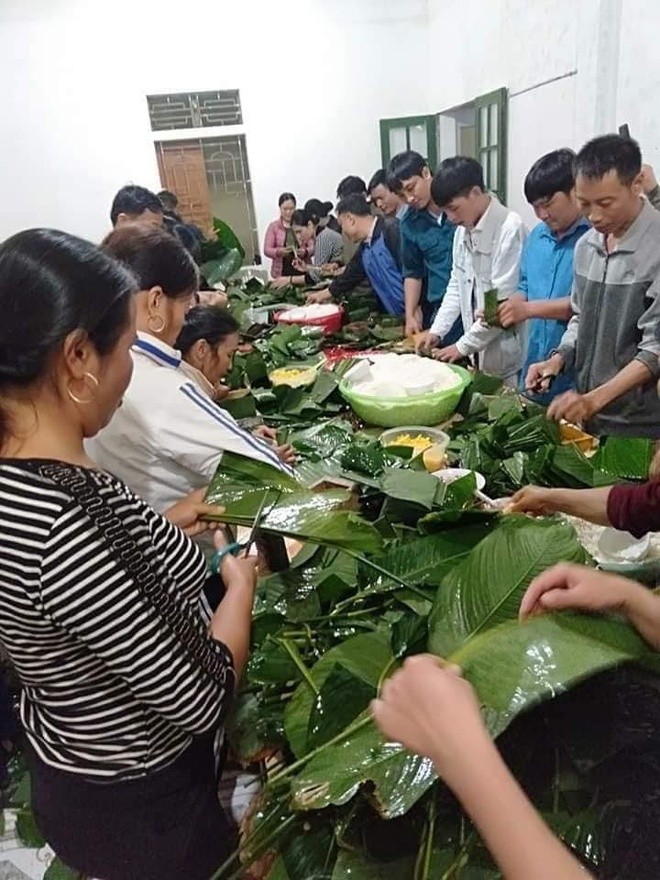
[427,409]
[329,323]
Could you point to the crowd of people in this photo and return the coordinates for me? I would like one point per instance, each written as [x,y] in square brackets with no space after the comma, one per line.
[110,432]
[577,308]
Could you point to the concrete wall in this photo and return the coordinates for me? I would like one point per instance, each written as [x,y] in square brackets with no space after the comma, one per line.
[314,81]
[315,78]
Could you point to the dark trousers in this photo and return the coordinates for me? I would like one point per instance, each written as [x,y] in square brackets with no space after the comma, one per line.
[166,825]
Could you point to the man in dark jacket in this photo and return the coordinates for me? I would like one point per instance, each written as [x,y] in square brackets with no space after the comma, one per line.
[378,257]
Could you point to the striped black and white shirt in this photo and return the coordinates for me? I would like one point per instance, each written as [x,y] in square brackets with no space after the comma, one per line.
[115,682]
[168,436]
[328,248]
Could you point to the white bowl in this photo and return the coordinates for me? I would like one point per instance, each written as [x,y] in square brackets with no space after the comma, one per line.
[449,475]
[616,546]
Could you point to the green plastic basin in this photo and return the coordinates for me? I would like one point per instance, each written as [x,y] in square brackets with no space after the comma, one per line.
[394,412]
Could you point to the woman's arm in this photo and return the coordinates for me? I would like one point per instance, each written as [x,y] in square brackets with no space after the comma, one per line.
[271,249]
[634,509]
[589,504]
[233,617]
[434,712]
[575,587]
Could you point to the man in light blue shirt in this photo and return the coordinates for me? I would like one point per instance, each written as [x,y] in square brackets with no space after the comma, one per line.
[546,269]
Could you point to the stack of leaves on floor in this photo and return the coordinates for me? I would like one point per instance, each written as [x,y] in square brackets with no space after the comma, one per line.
[394,567]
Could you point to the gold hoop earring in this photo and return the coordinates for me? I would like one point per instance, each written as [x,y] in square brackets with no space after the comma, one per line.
[156,329]
[89,378]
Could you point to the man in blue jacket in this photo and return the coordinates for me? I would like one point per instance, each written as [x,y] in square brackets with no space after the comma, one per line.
[426,243]
[378,257]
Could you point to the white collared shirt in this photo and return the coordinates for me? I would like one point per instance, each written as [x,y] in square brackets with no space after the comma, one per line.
[168,436]
[485,257]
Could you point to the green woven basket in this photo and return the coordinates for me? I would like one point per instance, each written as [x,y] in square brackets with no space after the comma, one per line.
[427,409]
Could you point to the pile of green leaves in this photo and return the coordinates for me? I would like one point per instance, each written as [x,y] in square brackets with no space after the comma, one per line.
[328,633]
[512,443]
[421,569]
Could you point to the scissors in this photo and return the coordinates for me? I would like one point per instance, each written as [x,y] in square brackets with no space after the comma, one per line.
[237,547]
[537,387]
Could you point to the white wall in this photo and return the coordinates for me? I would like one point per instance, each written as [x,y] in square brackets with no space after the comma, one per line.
[638,84]
[314,77]
[574,69]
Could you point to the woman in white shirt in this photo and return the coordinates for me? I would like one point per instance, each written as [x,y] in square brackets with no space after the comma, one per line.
[208,342]
[168,436]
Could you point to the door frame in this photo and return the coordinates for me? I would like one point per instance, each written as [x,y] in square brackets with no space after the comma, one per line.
[501,98]
[386,125]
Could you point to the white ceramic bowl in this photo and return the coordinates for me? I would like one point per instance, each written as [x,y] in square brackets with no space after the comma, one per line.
[449,475]
[622,547]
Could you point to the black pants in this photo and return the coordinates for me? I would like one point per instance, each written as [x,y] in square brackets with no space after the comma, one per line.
[168,825]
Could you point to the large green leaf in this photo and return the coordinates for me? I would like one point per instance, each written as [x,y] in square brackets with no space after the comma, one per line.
[628,458]
[487,587]
[342,697]
[240,484]
[27,830]
[406,485]
[351,865]
[514,666]
[240,468]
[57,870]
[428,559]
[336,773]
[366,656]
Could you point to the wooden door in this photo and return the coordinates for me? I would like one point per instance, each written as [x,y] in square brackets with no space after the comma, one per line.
[183,172]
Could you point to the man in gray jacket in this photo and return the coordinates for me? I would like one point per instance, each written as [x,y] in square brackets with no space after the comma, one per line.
[611,339]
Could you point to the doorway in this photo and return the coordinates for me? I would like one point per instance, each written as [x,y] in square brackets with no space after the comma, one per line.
[211,178]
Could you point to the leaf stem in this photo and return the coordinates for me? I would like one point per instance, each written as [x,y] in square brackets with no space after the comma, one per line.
[347,731]
[293,652]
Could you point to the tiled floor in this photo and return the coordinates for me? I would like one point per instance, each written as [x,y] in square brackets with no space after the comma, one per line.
[18,862]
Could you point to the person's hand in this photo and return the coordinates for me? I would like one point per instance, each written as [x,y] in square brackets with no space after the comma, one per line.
[319,296]
[513,311]
[299,265]
[301,253]
[450,354]
[220,392]
[573,407]
[187,514]
[283,281]
[432,711]
[238,573]
[649,181]
[532,499]
[284,251]
[286,453]
[575,586]
[413,324]
[213,298]
[539,375]
[426,341]
[266,433]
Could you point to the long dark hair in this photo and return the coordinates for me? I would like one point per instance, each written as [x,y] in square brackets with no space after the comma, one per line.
[52,284]
[212,323]
[156,258]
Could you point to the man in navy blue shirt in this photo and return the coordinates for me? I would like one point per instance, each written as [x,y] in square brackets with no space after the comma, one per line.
[426,243]
[378,257]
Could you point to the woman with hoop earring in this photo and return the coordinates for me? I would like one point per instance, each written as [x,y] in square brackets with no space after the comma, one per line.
[168,437]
